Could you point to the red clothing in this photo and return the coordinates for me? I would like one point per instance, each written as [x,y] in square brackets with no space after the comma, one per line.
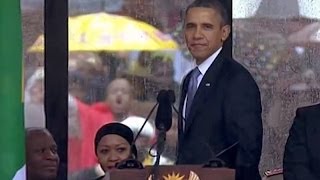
[81,153]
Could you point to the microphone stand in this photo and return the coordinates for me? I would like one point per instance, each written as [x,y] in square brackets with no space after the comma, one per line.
[144,123]
[161,139]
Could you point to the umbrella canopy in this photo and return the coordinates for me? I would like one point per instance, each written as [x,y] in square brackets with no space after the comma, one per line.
[106,32]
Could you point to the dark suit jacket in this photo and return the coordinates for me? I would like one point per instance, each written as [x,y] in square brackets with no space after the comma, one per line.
[225,109]
[302,151]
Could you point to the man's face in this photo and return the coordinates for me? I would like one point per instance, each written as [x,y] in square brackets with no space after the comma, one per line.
[119,96]
[204,32]
[42,157]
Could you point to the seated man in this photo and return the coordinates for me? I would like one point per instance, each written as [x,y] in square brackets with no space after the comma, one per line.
[42,160]
[302,151]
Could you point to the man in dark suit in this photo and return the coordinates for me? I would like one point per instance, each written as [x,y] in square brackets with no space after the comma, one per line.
[220,102]
[302,151]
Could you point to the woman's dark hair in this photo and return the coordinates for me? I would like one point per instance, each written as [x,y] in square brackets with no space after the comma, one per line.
[117,129]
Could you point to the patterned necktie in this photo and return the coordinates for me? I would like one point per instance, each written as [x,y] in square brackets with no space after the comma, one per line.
[192,88]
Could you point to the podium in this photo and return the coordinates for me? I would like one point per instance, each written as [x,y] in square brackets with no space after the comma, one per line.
[178,172]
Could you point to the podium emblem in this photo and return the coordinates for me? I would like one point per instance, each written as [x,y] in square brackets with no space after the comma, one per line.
[173,176]
[177,176]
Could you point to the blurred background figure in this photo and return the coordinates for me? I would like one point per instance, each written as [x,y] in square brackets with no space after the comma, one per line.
[162,71]
[82,128]
[34,100]
[151,72]
[141,66]
[119,96]
[74,129]
[88,76]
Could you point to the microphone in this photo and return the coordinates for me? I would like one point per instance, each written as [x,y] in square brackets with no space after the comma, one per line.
[172,97]
[163,123]
[215,163]
[129,164]
[163,119]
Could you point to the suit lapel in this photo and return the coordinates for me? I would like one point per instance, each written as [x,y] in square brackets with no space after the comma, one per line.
[207,83]
[184,90]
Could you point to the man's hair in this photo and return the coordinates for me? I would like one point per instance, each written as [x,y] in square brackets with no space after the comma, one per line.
[35,129]
[31,130]
[214,4]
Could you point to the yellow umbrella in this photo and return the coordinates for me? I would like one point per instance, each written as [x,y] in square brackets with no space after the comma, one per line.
[106,32]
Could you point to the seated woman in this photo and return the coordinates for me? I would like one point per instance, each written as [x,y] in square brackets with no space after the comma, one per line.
[113,144]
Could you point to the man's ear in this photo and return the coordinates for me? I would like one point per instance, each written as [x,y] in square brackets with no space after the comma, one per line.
[225,32]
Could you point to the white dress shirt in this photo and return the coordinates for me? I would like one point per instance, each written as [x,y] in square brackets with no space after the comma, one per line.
[20,174]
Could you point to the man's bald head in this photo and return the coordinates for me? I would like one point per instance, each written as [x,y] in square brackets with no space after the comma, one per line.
[42,159]
[34,130]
